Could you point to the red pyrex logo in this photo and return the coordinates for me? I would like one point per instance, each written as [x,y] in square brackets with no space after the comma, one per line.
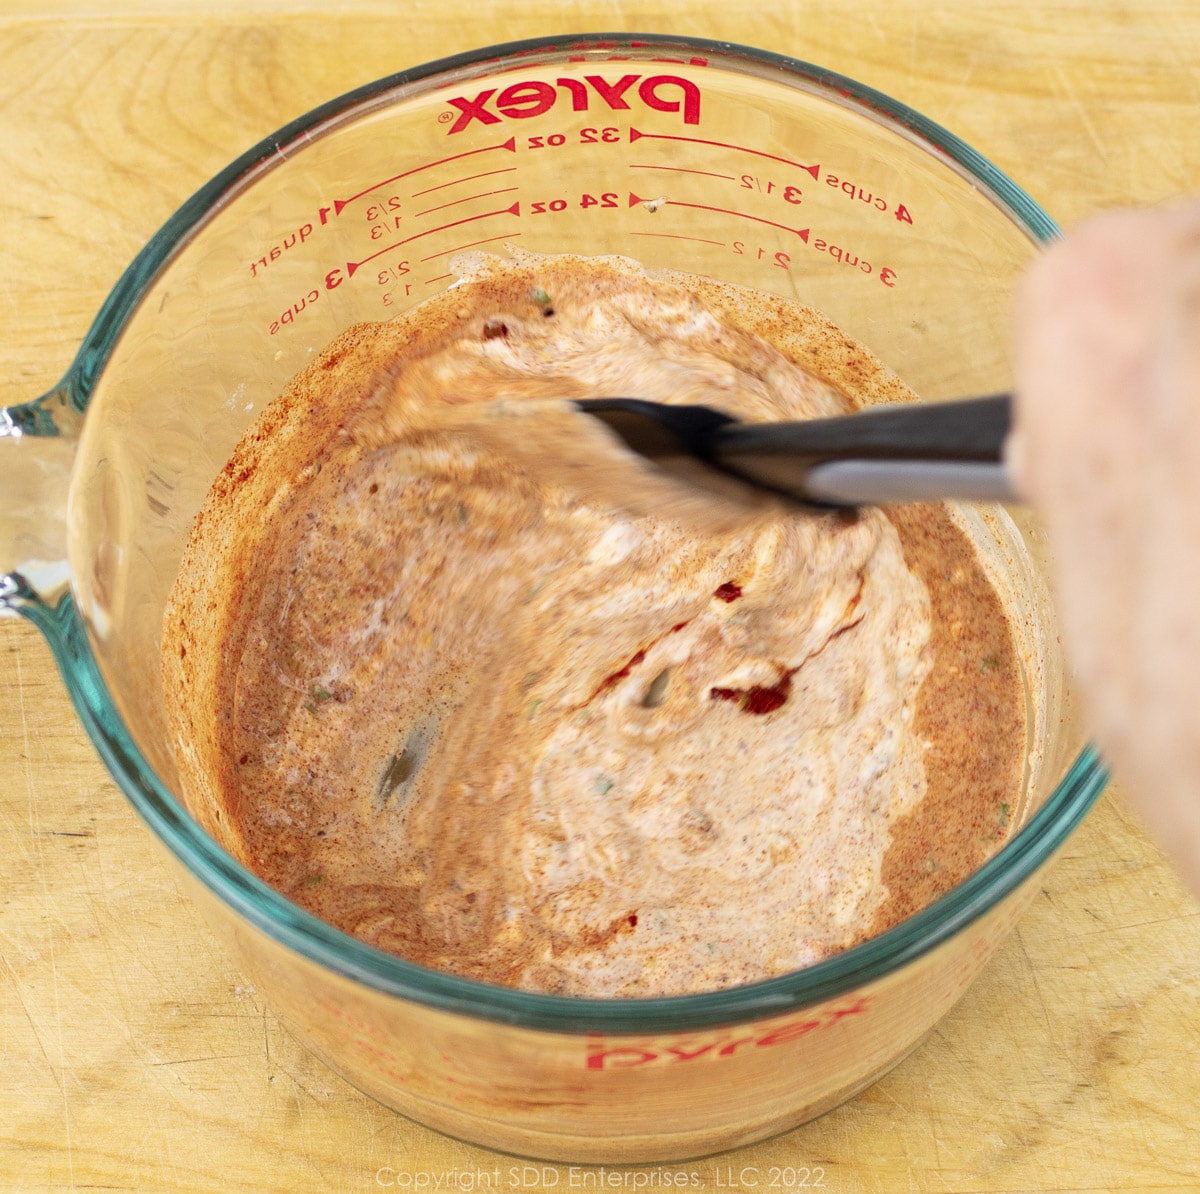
[664,93]
[609,1054]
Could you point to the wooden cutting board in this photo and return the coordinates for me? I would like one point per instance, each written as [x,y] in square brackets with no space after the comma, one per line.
[132,1056]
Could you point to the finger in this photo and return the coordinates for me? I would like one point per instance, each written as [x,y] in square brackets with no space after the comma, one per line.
[1080,357]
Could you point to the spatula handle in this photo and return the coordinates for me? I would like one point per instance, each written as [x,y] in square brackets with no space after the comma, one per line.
[902,453]
[880,482]
[970,429]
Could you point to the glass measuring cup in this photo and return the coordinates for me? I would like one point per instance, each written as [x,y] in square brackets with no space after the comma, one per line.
[711,159]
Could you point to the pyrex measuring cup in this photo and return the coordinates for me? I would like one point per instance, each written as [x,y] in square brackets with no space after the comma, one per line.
[709,158]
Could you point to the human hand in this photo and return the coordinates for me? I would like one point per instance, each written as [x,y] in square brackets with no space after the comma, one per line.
[1107,448]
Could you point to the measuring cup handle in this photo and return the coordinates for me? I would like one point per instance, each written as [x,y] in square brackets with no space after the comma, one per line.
[38,441]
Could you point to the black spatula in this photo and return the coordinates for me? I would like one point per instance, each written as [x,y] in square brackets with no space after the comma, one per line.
[906,452]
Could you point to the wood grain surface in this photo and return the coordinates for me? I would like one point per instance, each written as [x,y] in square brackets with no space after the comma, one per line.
[132,1055]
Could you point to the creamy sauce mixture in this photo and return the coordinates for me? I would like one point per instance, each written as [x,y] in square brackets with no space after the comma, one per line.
[462,712]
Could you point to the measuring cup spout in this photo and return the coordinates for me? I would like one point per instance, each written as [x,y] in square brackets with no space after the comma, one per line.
[38,441]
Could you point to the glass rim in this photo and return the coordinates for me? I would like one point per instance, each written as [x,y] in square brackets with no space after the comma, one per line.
[321,943]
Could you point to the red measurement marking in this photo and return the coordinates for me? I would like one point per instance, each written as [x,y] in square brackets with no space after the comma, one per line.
[683,170]
[469,178]
[510,145]
[635,135]
[439,278]
[514,210]
[675,236]
[459,248]
[802,233]
[453,202]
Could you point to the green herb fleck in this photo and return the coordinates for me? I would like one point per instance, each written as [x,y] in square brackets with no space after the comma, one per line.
[313,880]
[602,785]
[656,694]
[311,707]
[989,663]
[539,296]
[930,865]
[399,770]
[535,705]
[321,694]
[460,514]
[1003,815]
